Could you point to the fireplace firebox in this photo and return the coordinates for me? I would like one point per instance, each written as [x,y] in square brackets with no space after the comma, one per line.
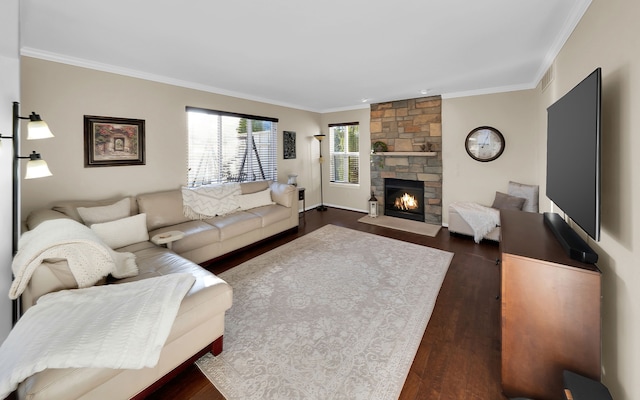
[404,199]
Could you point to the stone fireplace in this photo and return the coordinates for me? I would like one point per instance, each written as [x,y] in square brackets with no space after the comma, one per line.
[412,131]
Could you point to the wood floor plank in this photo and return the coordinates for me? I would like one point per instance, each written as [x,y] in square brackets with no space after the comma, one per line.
[459,355]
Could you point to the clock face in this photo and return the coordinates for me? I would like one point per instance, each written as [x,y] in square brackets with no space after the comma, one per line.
[484,143]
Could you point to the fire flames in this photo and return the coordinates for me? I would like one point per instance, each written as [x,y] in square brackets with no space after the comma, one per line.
[406,202]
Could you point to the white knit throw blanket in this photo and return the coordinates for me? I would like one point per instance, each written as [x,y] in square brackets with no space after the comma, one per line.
[88,257]
[204,202]
[110,326]
[480,218]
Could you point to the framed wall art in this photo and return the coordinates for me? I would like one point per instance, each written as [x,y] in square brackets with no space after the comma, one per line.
[289,145]
[110,141]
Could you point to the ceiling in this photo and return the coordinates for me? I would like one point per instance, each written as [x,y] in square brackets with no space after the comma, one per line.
[319,56]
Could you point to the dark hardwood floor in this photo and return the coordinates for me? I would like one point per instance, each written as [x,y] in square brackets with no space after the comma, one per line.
[459,356]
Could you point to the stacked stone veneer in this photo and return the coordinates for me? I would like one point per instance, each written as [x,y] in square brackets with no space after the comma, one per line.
[409,126]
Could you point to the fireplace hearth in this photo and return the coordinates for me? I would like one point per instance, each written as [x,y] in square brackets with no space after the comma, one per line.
[404,199]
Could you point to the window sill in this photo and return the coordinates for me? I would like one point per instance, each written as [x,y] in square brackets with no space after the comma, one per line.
[407,153]
[345,185]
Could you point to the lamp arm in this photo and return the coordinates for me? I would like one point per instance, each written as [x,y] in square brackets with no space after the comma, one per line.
[32,156]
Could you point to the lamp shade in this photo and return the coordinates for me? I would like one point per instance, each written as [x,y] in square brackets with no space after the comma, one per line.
[38,129]
[36,167]
[320,136]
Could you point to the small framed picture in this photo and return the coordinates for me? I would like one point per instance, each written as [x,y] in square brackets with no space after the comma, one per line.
[110,141]
[289,145]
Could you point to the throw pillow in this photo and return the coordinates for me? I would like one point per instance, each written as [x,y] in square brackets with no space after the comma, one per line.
[95,215]
[528,192]
[253,200]
[70,207]
[207,201]
[123,232]
[503,201]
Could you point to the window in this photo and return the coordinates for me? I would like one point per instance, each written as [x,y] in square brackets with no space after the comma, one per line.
[228,147]
[344,145]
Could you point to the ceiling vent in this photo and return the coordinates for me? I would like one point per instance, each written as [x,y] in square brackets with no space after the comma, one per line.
[548,76]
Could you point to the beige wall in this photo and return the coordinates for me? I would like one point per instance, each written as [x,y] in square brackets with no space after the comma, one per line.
[353,197]
[63,94]
[607,37]
[517,116]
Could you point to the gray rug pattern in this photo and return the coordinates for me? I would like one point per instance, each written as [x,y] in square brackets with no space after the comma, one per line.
[335,314]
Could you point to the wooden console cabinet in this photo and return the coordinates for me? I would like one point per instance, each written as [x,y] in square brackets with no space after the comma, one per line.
[550,310]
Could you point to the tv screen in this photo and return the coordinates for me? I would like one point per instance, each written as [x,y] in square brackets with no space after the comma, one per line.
[573,153]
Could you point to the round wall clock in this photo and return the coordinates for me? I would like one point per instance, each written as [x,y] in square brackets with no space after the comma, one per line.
[484,143]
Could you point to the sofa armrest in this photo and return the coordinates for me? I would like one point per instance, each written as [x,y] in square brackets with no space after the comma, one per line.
[37,217]
[283,194]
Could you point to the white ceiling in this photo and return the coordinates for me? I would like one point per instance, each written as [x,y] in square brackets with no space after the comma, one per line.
[320,56]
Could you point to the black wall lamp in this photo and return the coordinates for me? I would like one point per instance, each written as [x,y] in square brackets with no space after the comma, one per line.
[36,168]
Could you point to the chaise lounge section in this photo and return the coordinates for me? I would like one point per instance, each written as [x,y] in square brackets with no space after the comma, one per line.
[519,196]
[199,325]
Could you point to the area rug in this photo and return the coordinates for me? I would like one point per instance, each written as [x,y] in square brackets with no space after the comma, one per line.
[334,314]
[401,224]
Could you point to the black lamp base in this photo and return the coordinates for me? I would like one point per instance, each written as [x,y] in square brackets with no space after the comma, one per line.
[321,208]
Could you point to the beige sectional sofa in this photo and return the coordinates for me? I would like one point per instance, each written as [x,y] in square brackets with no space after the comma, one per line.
[210,238]
[199,325]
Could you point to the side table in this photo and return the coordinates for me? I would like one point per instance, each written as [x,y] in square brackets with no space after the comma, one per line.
[167,238]
[301,197]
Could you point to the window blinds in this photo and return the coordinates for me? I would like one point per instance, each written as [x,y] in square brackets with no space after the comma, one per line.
[344,146]
[230,147]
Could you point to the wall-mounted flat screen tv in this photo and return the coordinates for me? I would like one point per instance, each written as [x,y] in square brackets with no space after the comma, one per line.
[573,153]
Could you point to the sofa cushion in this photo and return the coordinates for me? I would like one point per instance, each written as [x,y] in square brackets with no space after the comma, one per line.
[70,208]
[503,201]
[123,232]
[281,193]
[112,212]
[235,224]
[257,199]
[156,261]
[271,214]
[196,234]
[69,254]
[50,276]
[252,187]
[162,208]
